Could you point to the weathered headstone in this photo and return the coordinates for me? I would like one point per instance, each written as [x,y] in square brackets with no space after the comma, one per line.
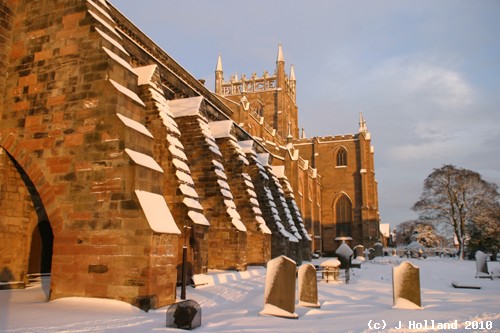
[279,294]
[482,265]
[406,286]
[185,315]
[308,286]
[379,250]
[330,269]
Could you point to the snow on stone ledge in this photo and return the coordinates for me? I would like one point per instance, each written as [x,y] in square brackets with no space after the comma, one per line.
[279,171]
[145,74]
[144,160]
[247,146]
[221,129]
[198,218]
[157,213]
[185,106]
[263,158]
[127,92]
[134,125]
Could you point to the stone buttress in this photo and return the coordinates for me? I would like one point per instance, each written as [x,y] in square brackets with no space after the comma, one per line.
[179,187]
[74,128]
[242,188]
[227,235]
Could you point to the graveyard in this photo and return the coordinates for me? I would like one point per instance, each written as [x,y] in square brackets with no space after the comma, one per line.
[233,301]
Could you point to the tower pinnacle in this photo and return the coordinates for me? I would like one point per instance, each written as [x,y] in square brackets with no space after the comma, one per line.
[219,64]
[292,74]
[280,57]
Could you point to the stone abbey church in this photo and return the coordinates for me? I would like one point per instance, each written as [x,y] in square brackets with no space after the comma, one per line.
[113,158]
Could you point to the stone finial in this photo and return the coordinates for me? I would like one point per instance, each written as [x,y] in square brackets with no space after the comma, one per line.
[219,64]
[292,74]
[280,57]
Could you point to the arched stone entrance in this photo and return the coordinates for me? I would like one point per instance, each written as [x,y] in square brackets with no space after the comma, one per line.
[25,231]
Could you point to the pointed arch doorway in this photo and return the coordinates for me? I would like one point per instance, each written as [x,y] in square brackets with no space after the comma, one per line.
[25,231]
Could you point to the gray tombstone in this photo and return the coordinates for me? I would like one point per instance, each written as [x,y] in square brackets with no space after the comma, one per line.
[406,286]
[481,265]
[308,286]
[185,315]
[379,250]
[279,294]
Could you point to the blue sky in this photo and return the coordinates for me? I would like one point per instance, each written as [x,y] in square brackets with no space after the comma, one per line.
[425,74]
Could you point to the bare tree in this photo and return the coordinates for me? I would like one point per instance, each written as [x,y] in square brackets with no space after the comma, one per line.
[456,197]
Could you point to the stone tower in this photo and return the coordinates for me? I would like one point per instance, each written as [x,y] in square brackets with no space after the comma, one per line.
[272,97]
[333,177]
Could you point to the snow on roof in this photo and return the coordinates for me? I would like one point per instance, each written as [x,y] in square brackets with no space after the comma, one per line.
[247,146]
[226,193]
[221,129]
[223,184]
[118,59]
[279,171]
[184,177]
[104,23]
[198,218]
[188,190]
[249,184]
[251,193]
[157,213]
[102,11]
[127,92]
[177,152]
[238,224]
[192,203]
[257,210]
[233,213]
[143,159]
[263,158]
[174,141]
[145,74]
[218,164]
[111,40]
[180,164]
[220,173]
[229,203]
[135,125]
[104,3]
[185,106]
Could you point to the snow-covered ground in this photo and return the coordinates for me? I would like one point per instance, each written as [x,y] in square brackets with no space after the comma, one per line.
[231,302]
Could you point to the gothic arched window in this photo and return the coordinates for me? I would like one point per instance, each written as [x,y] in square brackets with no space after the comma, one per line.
[342,157]
[343,216]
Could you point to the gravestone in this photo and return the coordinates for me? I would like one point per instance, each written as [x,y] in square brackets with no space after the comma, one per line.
[371,253]
[279,294]
[185,315]
[344,253]
[359,252]
[378,250]
[481,265]
[406,286]
[308,286]
[330,269]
